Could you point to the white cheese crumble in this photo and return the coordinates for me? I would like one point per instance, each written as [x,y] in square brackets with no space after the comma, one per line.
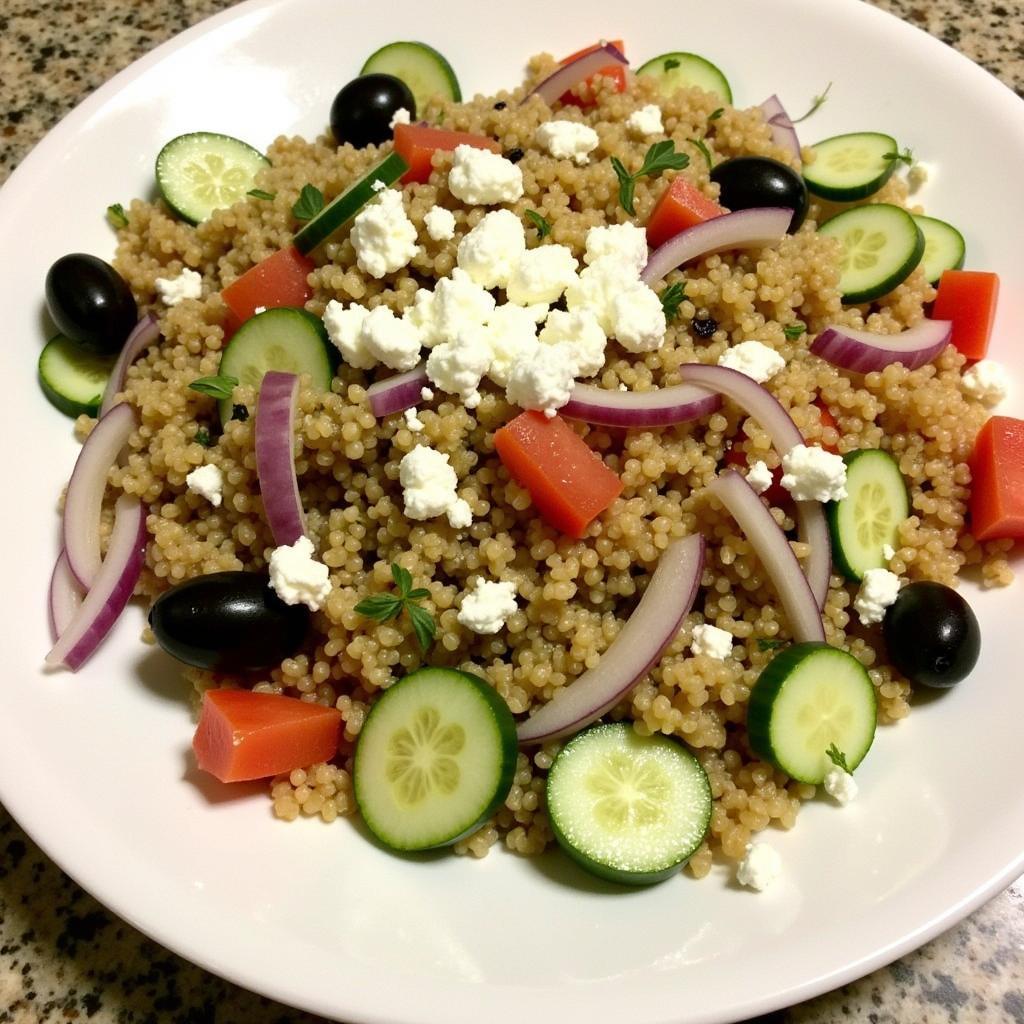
[541,275]
[412,421]
[390,339]
[888,552]
[428,487]
[712,641]
[400,116]
[987,382]
[426,394]
[638,318]
[646,120]
[383,236]
[754,359]
[456,303]
[345,329]
[489,252]
[482,178]
[878,590]
[568,140]
[580,330]
[485,609]
[208,483]
[811,473]
[625,241]
[187,285]
[596,287]
[377,185]
[917,175]
[760,867]
[511,334]
[297,577]
[840,785]
[759,476]
[440,223]
[457,366]
[544,381]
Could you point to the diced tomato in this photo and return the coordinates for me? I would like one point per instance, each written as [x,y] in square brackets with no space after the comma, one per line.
[417,143]
[244,735]
[279,280]
[568,482]
[616,72]
[968,298]
[997,472]
[776,494]
[681,206]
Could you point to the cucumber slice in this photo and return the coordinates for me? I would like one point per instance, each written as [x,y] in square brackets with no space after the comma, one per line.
[677,70]
[850,167]
[420,66]
[944,247]
[73,378]
[340,210]
[807,698]
[202,172]
[284,338]
[882,246]
[625,807]
[435,758]
[869,517]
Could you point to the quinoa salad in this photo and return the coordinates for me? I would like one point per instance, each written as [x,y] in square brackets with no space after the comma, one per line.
[592,464]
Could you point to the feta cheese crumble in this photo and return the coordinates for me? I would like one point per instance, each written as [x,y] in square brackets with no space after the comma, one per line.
[638,319]
[627,242]
[579,330]
[646,121]
[840,786]
[207,482]
[878,590]
[811,473]
[297,577]
[759,476]
[491,250]
[543,382]
[568,140]
[511,335]
[426,394]
[888,552]
[428,485]
[541,274]
[712,641]
[987,382]
[458,366]
[400,116]
[390,340]
[760,867]
[440,223]
[596,287]
[345,329]
[383,236]
[187,285]
[455,304]
[753,358]
[412,421]
[485,609]
[482,178]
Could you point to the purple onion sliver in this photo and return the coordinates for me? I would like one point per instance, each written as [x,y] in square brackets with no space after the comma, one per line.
[398,393]
[664,407]
[65,596]
[84,500]
[143,334]
[745,229]
[783,131]
[275,458]
[576,71]
[812,527]
[113,587]
[865,351]
[640,643]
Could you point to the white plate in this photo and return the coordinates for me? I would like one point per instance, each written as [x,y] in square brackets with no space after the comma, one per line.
[95,766]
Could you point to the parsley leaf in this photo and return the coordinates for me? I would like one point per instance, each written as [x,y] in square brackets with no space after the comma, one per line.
[258,193]
[384,607]
[671,63]
[793,331]
[626,186]
[662,156]
[705,152]
[716,114]
[402,578]
[906,157]
[116,217]
[672,298]
[309,203]
[540,223]
[423,625]
[203,437]
[816,104]
[216,387]
[837,757]
[381,607]
[765,644]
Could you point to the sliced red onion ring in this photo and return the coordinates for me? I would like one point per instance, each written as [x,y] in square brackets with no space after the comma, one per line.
[756,401]
[776,555]
[275,457]
[398,393]
[84,500]
[678,404]
[864,351]
[576,71]
[745,229]
[143,334]
[651,628]
[783,131]
[65,597]
[113,586]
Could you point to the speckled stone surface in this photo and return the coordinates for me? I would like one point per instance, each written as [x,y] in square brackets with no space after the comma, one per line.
[63,956]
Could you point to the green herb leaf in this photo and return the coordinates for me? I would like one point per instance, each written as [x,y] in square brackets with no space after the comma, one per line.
[716,114]
[116,217]
[540,223]
[705,152]
[670,63]
[384,607]
[423,625]
[380,607]
[816,104]
[216,387]
[203,437]
[837,757]
[402,578]
[672,298]
[309,203]
[765,644]
[793,331]
[258,193]
[626,186]
[662,156]
[906,157]
[415,595]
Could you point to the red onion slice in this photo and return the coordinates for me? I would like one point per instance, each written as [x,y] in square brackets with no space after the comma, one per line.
[745,229]
[275,457]
[678,404]
[143,334]
[783,131]
[864,351]
[84,500]
[398,393]
[65,596]
[113,586]
[650,629]
[776,555]
[576,71]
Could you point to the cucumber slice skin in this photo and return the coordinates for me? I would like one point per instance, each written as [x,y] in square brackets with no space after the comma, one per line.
[863,467]
[616,736]
[340,210]
[73,378]
[789,668]
[944,247]
[692,70]
[852,190]
[897,266]
[367,775]
[283,338]
[424,70]
[171,161]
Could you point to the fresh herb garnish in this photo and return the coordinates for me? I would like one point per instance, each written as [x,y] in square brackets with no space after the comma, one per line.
[793,331]
[662,156]
[906,157]
[258,193]
[239,412]
[116,217]
[672,298]
[765,644]
[716,114]
[216,387]
[837,757]
[203,437]
[705,152]
[671,63]
[384,607]
[540,223]
[816,104]
[309,203]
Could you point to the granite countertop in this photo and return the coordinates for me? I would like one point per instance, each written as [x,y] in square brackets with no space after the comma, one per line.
[62,955]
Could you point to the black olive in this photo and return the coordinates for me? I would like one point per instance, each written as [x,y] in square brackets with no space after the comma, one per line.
[361,113]
[239,412]
[90,302]
[500,105]
[228,622]
[515,155]
[931,634]
[704,326]
[749,181]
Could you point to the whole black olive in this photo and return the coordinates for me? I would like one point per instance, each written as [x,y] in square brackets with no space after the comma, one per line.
[932,635]
[749,181]
[361,113]
[90,302]
[229,622]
